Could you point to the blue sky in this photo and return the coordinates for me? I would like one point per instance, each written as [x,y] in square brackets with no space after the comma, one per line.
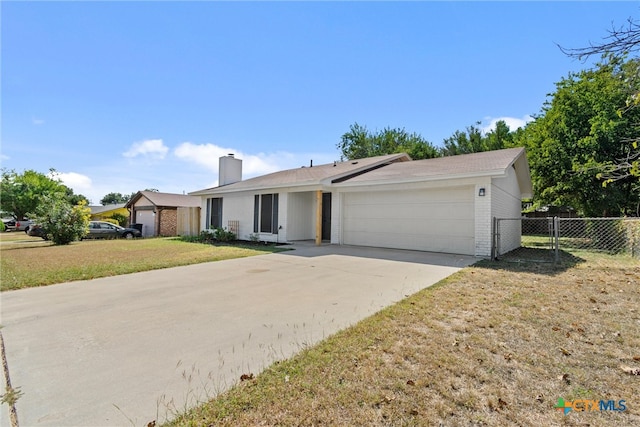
[123,96]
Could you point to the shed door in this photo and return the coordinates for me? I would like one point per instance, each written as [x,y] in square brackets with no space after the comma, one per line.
[435,220]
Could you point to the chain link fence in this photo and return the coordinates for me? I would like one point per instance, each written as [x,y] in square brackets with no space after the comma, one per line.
[545,239]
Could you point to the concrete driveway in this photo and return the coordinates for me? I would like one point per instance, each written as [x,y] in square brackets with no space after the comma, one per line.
[140,347]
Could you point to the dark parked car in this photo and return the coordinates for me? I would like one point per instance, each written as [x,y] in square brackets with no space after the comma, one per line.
[106,230]
[97,230]
[36,231]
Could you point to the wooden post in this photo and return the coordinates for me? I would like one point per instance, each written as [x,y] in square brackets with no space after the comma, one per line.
[318,217]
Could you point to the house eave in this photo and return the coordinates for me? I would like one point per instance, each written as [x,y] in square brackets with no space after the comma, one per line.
[410,180]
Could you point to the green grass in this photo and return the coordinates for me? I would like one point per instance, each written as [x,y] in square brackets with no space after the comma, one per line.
[495,344]
[27,261]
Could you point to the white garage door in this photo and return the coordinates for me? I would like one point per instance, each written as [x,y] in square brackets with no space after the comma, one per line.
[148,221]
[440,220]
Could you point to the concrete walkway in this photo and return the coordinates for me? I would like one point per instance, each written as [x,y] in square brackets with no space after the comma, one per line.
[140,347]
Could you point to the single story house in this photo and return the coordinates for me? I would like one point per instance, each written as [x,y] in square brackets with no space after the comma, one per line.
[445,204]
[98,213]
[164,214]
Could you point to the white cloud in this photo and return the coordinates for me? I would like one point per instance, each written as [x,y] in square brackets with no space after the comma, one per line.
[489,123]
[77,182]
[37,122]
[207,155]
[150,148]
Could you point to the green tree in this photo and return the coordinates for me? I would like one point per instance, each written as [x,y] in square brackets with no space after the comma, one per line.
[359,143]
[466,142]
[499,138]
[578,134]
[620,43]
[22,193]
[73,198]
[61,222]
[115,198]
[472,140]
[121,219]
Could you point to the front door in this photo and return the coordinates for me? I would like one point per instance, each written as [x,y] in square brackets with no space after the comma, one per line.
[326,216]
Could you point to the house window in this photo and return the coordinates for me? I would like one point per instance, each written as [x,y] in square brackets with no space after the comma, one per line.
[214,212]
[265,213]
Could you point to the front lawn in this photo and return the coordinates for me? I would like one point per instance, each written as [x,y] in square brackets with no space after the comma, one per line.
[495,344]
[29,261]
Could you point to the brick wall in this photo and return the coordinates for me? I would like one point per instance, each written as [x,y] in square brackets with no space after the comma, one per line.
[483,220]
[168,222]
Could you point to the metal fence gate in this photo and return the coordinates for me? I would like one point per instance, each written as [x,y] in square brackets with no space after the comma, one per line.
[546,239]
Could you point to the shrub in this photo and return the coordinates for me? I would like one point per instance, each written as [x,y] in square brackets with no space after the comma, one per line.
[111,221]
[61,222]
[122,220]
[2,226]
[211,236]
[222,235]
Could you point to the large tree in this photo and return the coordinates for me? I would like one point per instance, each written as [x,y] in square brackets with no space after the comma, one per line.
[22,192]
[621,42]
[473,140]
[578,134]
[359,143]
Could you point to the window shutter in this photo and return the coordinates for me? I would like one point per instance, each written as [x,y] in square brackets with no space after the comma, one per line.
[256,212]
[274,225]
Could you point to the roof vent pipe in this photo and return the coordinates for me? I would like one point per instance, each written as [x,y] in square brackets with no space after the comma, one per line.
[311,163]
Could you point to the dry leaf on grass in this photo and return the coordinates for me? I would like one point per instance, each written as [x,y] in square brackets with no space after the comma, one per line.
[629,370]
[246,377]
[565,351]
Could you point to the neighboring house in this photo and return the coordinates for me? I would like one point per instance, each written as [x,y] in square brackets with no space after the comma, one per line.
[164,214]
[98,213]
[445,204]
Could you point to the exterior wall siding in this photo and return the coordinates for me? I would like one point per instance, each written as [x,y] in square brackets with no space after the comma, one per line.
[299,223]
[508,204]
[239,207]
[236,207]
[188,221]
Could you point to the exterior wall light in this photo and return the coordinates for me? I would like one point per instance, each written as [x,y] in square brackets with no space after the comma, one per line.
[481,192]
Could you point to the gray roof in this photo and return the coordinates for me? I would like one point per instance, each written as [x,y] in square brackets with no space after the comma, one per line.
[394,168]
[308,175]
[488,163]
[166,199]
[485,163]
